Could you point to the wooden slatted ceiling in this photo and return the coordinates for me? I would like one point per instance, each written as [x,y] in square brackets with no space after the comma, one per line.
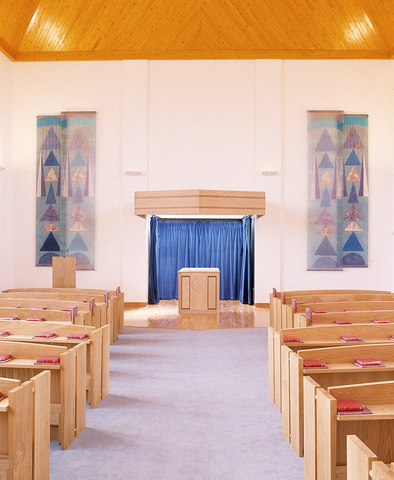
[39,30]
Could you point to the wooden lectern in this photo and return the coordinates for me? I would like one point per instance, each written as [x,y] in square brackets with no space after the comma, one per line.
[198,290]
[64,272]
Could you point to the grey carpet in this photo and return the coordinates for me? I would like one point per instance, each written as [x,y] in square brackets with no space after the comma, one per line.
[187,405]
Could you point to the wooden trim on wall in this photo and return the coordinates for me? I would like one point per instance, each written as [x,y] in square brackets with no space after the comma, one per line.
[189,202]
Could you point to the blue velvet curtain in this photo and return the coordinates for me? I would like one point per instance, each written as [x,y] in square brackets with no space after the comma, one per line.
[226,245]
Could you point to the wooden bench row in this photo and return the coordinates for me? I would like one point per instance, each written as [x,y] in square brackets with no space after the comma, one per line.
[105,306]
[326,430]
[24,426]
[283,305]
[339,369]
[306,371]
[314,337]
[363,312]
[97,346]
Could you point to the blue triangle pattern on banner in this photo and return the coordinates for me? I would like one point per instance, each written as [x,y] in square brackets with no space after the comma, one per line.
[353,195]
[353,159]
[51,199]
[77,244]
[50,244]
[326,162]
[325,201]
[51,160]
[78,160]
[353,244]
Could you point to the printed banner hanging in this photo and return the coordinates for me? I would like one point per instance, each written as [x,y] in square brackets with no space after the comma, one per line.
[338,190]
[65,190]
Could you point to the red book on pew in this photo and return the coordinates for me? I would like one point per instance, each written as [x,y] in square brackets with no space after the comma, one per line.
[9,318]
[353,338]
[369,362]
[4,357]
[314,364]
[349,406]
[342,322]
[292,340]
[380,321]
[44,335]
[77,336]
[352,407]
[4,333]
[47,360]
[34,319]
[319,311]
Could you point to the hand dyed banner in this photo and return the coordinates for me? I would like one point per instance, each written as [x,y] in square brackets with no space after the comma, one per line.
[65,188]
[337,190]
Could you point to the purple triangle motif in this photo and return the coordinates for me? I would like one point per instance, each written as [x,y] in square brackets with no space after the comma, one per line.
[325,143]
[353,215]
[326,162]
[51,141]
[325,218]
[325,248]
[353,140]
[50,215]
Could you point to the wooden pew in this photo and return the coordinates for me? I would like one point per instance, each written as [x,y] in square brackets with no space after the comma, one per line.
[314,337]
[335,311]
[97,344]
[41,306]
[114,300]
[322,313]
[317,302]
[23,313]
[68,403]
[88,304]
[277,299]
[341,370]
[328,449]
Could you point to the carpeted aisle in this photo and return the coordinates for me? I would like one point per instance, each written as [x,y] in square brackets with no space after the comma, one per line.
[187,405]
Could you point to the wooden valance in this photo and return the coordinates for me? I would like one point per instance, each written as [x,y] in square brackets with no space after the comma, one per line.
[208,202]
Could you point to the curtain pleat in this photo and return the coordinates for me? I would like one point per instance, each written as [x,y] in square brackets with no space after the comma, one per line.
[153,294]
[177,244]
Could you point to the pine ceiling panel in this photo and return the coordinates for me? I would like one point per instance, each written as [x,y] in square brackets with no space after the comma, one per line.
[32,30]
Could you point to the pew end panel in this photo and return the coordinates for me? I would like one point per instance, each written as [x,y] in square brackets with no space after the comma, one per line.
[285,388]
[359,459]
[41,438]
[271,368]
[105,361]
[310,389]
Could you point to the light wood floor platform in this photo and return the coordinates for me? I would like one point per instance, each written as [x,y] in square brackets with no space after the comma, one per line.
[233,314]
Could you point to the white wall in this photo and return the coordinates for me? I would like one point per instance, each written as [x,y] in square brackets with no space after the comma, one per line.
[203,124]
[5,175]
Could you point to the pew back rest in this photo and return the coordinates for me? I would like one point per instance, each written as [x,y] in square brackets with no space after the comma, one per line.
[332,333]
[340,355]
